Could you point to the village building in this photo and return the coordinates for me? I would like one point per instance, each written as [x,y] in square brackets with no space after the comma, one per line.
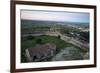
[40,52]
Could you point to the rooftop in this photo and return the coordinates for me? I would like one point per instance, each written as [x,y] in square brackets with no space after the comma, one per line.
[41,49]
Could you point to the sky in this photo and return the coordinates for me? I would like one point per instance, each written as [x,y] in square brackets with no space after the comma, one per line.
[59,16]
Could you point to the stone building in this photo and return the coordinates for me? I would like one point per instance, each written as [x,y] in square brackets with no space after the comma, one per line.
[40,52]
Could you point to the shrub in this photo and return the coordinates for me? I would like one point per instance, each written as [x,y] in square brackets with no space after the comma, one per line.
[59,36]
[39,41]
[30,37]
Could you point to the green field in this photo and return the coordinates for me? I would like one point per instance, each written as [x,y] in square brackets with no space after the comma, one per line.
[27,42]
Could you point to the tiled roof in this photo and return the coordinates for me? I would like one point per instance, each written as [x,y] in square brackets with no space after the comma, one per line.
[41,49]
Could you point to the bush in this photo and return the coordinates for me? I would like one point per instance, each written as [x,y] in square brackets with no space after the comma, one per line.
[39,41]
[30,37]
[58,36]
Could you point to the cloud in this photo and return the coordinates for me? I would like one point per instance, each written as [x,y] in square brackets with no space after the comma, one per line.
[55,16]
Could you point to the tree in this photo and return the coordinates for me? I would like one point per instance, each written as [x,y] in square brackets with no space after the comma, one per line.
[59,36]
[30,37]
[39,41]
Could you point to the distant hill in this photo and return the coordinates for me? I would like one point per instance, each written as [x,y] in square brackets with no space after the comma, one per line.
[48,23]
[38,22]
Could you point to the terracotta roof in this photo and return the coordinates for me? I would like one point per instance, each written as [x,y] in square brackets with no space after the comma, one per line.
[41,49]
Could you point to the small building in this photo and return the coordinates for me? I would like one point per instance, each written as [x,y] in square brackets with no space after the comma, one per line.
[40,52]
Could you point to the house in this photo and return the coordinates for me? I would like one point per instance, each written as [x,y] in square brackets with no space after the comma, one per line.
[40,52]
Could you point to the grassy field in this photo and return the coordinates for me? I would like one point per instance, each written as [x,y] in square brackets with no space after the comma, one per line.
[27,42]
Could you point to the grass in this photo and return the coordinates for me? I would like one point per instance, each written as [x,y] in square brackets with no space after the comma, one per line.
[46,39]
[27,43]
